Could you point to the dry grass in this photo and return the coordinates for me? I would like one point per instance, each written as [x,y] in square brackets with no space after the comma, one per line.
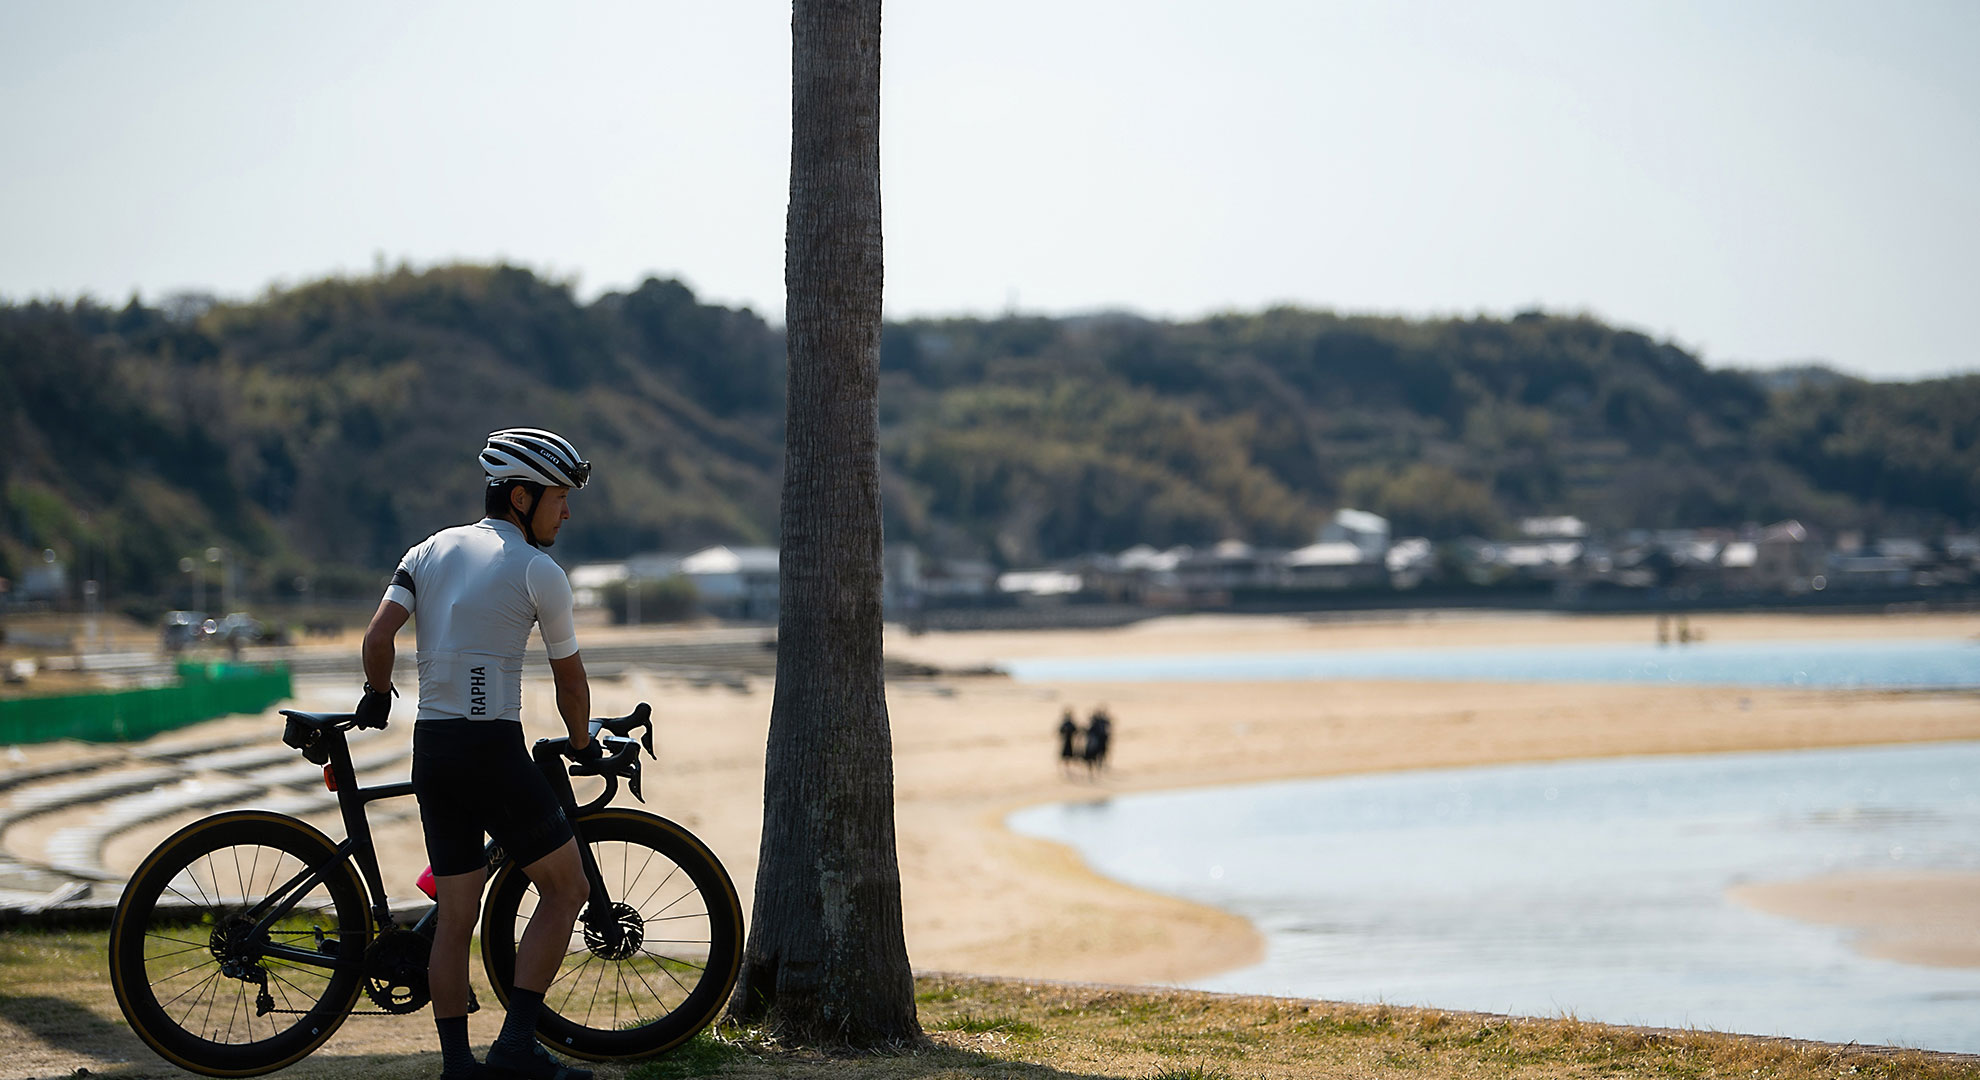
[57,1015]
[985,1028]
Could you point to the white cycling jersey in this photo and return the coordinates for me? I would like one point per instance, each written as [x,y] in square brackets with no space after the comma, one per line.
[477,589]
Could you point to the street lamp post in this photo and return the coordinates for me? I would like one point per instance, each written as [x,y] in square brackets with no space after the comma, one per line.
[195,585]
[225,558]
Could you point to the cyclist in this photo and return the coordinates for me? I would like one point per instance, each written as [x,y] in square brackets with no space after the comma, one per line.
[477,589]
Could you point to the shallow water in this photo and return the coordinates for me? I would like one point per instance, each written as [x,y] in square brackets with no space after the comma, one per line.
[1903,664]
[1595,888]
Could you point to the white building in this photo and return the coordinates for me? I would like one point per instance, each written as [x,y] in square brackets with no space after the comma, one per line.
[1366,531]
[735,583]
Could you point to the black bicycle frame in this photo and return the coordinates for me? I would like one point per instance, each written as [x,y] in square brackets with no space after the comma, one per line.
[357,845]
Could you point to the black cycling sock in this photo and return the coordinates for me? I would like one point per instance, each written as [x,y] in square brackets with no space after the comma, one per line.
[456,1056]
[518,1036]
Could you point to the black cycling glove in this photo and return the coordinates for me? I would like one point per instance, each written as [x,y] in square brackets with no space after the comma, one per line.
[589,752]
[374,708]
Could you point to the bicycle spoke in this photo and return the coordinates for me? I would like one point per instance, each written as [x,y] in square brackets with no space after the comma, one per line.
[619,978]
[206,1024]
[643,982]
[675,918]
[669,958]
[196,903]
[175,952]
[186,971]
[242,992]
[650,853]
[175,941]
[677,981]
[255,867]
[595,988]
[291,986]
[192,882]
[588,958]
[656,889]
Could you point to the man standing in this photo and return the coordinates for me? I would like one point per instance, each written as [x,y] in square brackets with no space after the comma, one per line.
[478,589]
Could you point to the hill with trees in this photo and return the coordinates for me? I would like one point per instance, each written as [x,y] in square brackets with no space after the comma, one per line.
[320,430]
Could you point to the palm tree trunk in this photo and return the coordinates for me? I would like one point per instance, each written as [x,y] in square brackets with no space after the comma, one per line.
[826,962]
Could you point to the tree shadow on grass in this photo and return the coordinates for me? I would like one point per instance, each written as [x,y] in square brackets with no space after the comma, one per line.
[931,1062]
[64,1025]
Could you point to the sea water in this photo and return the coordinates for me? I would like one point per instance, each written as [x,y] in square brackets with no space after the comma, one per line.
[1593,888]
[1883,664]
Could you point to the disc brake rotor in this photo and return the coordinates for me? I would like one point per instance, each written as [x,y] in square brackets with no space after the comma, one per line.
[617,937]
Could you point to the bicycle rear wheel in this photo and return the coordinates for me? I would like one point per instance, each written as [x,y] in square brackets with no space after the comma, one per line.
[676,956]
[195,979]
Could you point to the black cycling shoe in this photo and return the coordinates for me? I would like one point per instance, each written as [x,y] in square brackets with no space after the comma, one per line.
[538,1066]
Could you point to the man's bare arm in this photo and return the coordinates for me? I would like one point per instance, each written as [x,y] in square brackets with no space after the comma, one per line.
[379,651]
[573,698]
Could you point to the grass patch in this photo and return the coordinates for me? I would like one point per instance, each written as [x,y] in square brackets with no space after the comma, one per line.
[57,1015]
[708,1053]
[985,1025]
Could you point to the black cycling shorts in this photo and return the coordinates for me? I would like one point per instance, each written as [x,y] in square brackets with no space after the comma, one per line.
[473,776]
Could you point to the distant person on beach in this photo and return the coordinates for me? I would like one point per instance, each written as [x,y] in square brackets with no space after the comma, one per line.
[1099,731]
[1069,750]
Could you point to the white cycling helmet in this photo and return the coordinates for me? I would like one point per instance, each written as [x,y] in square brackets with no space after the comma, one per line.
[533,454]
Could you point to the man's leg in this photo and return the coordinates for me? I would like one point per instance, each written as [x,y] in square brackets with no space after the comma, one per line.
[561,892]
[447,967]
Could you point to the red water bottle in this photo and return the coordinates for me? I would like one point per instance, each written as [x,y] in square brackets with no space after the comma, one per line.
[426,884]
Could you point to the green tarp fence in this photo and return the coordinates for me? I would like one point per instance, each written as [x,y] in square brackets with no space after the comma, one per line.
[205,691]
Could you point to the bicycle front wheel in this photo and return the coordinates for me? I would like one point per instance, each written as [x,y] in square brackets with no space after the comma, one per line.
[663,974]
[200,977]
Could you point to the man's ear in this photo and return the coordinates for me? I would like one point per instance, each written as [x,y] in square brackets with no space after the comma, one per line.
[519,500]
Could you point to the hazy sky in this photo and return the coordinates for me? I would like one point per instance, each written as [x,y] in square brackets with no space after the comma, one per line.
[1765,182]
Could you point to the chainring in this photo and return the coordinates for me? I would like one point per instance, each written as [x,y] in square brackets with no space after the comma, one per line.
[395,970]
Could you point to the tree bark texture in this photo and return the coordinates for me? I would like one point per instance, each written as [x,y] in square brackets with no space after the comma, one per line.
[826,962]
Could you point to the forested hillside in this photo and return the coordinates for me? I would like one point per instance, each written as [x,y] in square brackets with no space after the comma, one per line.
[320,430]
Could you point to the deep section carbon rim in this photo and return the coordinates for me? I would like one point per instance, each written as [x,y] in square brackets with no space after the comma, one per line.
[659,968]
[196,978]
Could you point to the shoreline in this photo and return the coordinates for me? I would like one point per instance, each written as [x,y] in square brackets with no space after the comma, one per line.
[969,750]
[1929,918]
[1306,730]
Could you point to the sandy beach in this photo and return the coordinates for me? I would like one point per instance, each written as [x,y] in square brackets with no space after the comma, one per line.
[970,750]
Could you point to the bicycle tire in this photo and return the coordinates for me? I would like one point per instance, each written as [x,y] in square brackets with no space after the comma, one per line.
[659,875]
[182,913]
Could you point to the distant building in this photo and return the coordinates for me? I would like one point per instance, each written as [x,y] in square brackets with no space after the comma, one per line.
[1410,561]
[952,581]
[1783,560]
[1366,531]
[1562,527]
[900,579]
[735,583]
[43,582]
[590,582]
[1038,586]
[1540,560]
[1335,564]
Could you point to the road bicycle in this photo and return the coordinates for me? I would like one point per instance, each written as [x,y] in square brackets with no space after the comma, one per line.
[245,939]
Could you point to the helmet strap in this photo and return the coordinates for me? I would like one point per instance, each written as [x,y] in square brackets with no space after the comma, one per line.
[527,517]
